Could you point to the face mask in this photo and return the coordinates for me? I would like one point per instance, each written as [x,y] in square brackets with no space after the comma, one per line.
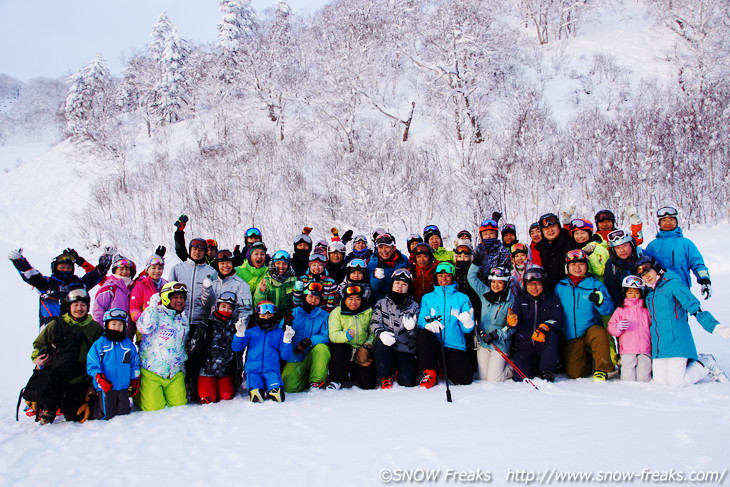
[115,336]
[308,307]
[64,275]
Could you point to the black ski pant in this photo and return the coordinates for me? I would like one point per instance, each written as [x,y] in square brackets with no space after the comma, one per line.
[342,368]
[388,361]
[428,348]
[112,403]
[533,357]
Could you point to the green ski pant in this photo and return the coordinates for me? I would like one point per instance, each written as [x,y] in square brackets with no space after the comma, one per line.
[298,375]
[155,392]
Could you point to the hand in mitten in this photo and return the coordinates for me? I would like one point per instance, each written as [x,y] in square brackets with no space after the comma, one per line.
[241,325]
[706,287]
[302,346]
[496,216]
[288,334]
[379,273]
[511,318]
[72,252]
[596,297]
[181,222]
[299,286]
[207,283]
[490,337]
[722,330]
[15,254]
[387,338]
[590,247]
[133,387]
[539,334]
[103,382]
[435,326]
[465,317]
[479,257]
[409,322]
[567,214]
[346,237]
[161,250]
[633,215]
[154,300]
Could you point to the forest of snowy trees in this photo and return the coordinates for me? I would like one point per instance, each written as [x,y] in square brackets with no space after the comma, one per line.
[394,114]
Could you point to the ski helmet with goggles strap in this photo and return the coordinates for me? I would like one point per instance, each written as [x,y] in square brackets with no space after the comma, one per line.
[265,307]
[336,247]
[463,249]
[445,268]
[62,259]
[465,234]
[198,243]
[385,239]
[619,237]
[115,314]
[576,255]
[498,274]
[281,255]
[534,274]
[402,275]
[581,224]
[155,260]
[667,212]
[171,288]
[517,248]
[647,263]
[76,295]
[357,264]
[224,255]
[605,215]
[227,297]
[211,242]
[352,291]
[252,232]
[317,257]
[315,289]
[509,228]
[548,219]
[488,224]
[360,238]
[632,282]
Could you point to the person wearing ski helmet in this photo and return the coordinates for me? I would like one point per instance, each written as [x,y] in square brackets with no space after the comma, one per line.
[463,238]
[356,275]
[444,320]
[463,255]
[509,234]
[387,260]
[360,250]
[277,285]
[211,344]
[584,299]
[582,232]
[413,240]
[432,236]
[623,255]
[192,272]
[629,323]
[493,329]
[61,350]
[490,252]
[606,223]
[306,339]
[555,243]
[350,336]
[183,253]
[675,361]
[145,287]
[254,268]
[226,280]
[113,365]
[164,328]
[394,326]
[423,271]
[535,324]
[302,249]
[317,273]
[250,237]
[678,253]
[116,291]
[54,288]
[264,343]
[336,261]
[520,263]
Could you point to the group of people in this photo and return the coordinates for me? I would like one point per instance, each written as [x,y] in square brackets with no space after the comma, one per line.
[323,317]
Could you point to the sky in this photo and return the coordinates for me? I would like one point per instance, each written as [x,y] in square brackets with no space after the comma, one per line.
[54,38]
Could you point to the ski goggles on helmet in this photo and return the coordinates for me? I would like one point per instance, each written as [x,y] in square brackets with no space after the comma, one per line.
[402,275]
[212,242]
[155,260]
[498,274]
[548,220]
[175,287]
[633,282]
[509,228]
[336,247]
[123,263]
[280,255]
[580,224]
[350,290]
[445,268]
[223,255]
[65,258]
[357,264]
[314,288]
[265,307]
[619,237]
[115,314]
[488,224]
[252,232]
[422,249]
[576,255]
[317,257]
[605,215]
[517,248]
[463,250]
[414,237]
[360,238]
[77,295]
[667,211]
[385,239]
[643,268]
[228,297]
[534,274]
[198,243]
[431,228]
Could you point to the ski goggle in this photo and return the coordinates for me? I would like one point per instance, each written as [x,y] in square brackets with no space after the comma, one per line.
[115,314]
[224,255]
[498,274]
[534,274]
[317,258]
[488,224]
[576,255]
[422,250]
[155,260]
[549,220]
[462,250]
[605,215]
[509,228]
[211,242]
[430,228]
[228,297]
[77,295]
[124,263]
[314,288]
[252,232]
[198,243]
[280,255]
[445,268]
[618,236]
[580,224]
[667,211]
[266,307]
[643,269]
[415,237]
[517,248]
[385,239]
[633,282]
[357,265]
[176,287]
[353,290]
[64,258]
[360,238]
[402,274]
[336,247]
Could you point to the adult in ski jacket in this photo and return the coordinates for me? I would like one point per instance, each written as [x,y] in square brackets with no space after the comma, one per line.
[382,265]
[192,273]
[680,255]
[278,286]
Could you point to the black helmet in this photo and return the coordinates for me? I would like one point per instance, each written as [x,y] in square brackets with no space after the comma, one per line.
[76,295]
[534,274]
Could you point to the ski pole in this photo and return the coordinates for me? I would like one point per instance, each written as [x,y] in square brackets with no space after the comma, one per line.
[446,372]
[514,367]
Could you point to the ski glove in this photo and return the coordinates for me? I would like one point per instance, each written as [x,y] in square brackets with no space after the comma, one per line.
[103,382]
[409,322]
[346,237]
[181,222]
[161,250]
[596,297]
[154,300]
[303,346]
[722,330]
[84,411]
[706,288]
[288,334]
[567,214]
[207,283]
[622,325]
[134,387]
[387,338]
[479,257]
[539,334]
[490,337]
[78,259]
[241,327]
[633,215]
[15,254]
[511,318]
[496,216]
[465,317]
[299,286]
[589,248]
[379,273]
[105,261]
[434,327]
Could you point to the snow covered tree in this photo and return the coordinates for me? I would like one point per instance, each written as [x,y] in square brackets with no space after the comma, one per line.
[160,33]
[88,100]
[237,35]
[170,95]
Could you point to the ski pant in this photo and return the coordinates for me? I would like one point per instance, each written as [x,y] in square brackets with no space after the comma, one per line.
[68,398]
[389,361]
[214,389]
[457,365]
[156,392]
[532,357]
[112,403]
[263,380]
[298,375]
[676,372]
[635,367]
[492,367]
[343,367]
[578,353]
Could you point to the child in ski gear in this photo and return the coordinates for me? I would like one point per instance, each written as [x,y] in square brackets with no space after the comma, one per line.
[357,275]
[308,355]
[336,261]
[115,291]
[302,249]
[164,328]
[60,351]
[423,271]
[145,287]
[445,317]
[535,326]
[630,324]
[432,236]
[278,284]
[254,268]
[265,343]
[349,334]
[53,289]
[226,280]
[520,263]
[675,361]
[677,253]
[360,250]
[584,299]
[382,265]
[490,252]
[211,343]
[493,327]
[555,243]
[317,273]
[394,323]
[113,365]
[582,232]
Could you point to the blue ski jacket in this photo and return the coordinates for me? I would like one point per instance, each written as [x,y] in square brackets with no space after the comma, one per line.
[677,253]
[580,312]
[118,361]
[264,349]
[437,305]
[314,325]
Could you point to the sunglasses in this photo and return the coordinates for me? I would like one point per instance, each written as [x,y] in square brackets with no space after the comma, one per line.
[549,220]
[264,308]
